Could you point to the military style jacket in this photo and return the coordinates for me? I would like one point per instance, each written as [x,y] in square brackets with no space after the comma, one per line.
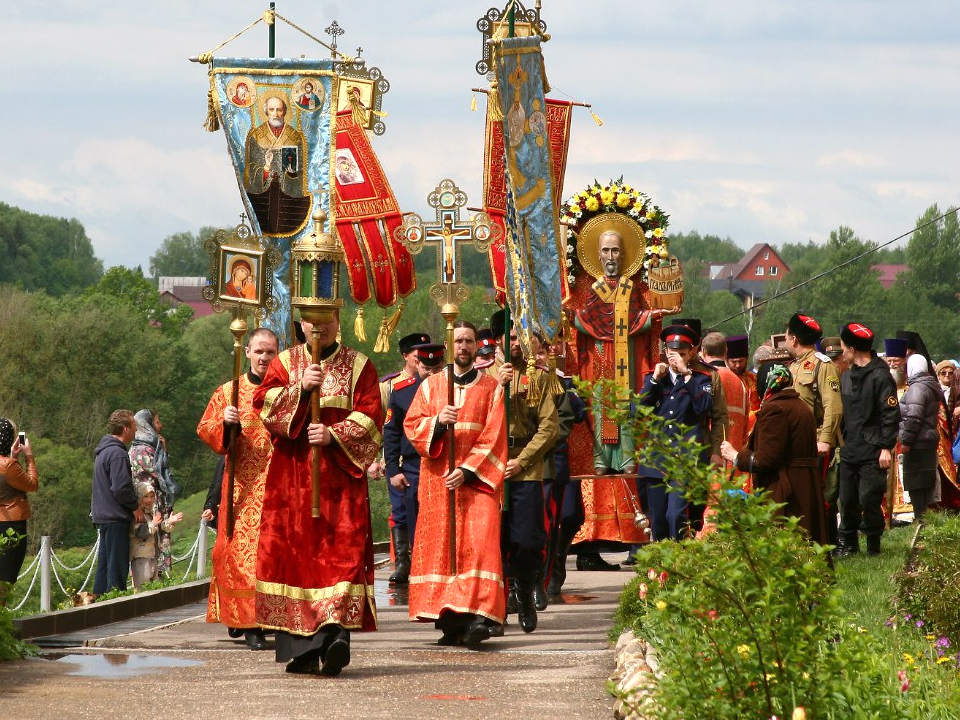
[817,382]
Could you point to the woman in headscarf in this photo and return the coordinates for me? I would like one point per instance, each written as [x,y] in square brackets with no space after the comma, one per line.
[781,452]
[150,463]
[15,483]
[919,435]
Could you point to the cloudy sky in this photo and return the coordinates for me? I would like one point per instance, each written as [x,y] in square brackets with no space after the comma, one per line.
[768,120]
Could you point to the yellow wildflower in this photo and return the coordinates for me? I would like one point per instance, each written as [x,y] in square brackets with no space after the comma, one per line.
[661,605]
[943,659]
[909,659]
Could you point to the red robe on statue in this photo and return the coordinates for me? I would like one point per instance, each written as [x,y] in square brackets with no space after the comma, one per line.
[481,448]
[317,571]
[233,579]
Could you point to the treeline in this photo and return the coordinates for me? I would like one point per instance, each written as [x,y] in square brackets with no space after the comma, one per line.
[924,298]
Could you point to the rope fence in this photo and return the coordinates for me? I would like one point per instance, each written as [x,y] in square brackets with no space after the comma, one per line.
[45,564]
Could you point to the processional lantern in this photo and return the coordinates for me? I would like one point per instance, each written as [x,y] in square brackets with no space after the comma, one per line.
[315,262]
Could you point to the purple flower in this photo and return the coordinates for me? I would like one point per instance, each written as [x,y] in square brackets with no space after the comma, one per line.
[919,623]
[943,641]
[907,616]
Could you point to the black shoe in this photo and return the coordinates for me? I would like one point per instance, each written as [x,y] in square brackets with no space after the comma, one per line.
[593,561]
[873,547]
[337,657]
[630,561]
[476,633]
[540,597]
[451,638]
[306,664]
[527,614]
[401,548]
[255,639]
[496,630]
[843,551]
[235,633]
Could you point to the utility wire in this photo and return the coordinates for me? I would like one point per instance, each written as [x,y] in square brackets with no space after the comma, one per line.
[833,269]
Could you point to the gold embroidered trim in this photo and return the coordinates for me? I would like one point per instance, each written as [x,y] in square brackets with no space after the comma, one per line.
[313,594]
[448,579]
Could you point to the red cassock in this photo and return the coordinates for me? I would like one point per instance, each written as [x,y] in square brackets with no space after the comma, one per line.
[480,439]
[317,571]
[738,408]
[233,579]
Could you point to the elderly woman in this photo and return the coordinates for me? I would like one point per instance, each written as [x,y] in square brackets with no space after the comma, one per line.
[919,434]
[15,483]
[781,452]
[150,463]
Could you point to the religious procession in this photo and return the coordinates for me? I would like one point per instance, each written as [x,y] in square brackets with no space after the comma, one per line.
[580,422]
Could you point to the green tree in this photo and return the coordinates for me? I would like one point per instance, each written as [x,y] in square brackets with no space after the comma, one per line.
[933,256]
[134,289]
[182,255]
[708,249]
[45,253]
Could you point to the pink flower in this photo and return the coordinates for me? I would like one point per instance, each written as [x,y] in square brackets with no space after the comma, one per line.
[662,579]
[643,591]
[652,574]
[713,614]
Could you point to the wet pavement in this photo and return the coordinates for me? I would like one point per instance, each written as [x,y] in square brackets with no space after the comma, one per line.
[177,666]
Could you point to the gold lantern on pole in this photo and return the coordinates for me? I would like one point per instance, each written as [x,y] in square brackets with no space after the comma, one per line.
[315,292]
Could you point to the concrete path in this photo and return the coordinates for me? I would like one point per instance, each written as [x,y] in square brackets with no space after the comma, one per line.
[174,666]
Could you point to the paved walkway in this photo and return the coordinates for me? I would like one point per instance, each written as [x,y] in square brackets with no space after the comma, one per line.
[174,666]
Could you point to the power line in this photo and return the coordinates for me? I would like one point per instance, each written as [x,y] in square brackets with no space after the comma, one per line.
[833,269]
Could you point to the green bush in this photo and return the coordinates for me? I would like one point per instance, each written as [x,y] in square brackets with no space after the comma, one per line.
[748,622]
[927,587]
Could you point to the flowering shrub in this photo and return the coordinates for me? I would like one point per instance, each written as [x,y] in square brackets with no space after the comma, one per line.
[616,196]
[748,622]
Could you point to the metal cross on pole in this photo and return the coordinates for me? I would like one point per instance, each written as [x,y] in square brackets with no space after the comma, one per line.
[447,234]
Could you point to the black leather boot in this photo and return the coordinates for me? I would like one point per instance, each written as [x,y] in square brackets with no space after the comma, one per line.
[513,598]
[873,545]
[527,615]
[593,561]
[539,593]
[401,550]
[558,573]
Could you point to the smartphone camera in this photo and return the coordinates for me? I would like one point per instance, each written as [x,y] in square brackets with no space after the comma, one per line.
[23,438]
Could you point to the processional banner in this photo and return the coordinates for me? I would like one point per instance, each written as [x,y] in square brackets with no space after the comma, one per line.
[533,258]
[367,215]
[559,116]
[277,115]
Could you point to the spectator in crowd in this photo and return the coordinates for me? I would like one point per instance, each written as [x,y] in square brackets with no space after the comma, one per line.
[15,483]
[114,503]
[919,435]
[143,537]
[781,452]
[946,372]
[150,463]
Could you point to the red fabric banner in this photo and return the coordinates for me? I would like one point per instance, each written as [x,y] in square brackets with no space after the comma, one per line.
[378,266]
[494,179]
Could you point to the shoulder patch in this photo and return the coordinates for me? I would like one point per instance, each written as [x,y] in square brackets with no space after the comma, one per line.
[834,384]
[892,400]
[389,415]
[406,382]
[708,388]
[807,365]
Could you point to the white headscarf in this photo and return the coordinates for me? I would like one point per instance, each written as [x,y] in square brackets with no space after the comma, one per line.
[917,365]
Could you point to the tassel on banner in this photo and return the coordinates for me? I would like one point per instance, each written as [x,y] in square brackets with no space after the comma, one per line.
[358,328]
[212,123]
[493,102]
[473,102]
[554,384]
[387,326]
[533,392]
[596,119]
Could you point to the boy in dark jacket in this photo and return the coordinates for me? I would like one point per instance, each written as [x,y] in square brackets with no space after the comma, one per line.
[871,418]
[114,503]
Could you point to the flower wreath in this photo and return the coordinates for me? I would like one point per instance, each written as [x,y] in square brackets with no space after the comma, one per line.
[616,196]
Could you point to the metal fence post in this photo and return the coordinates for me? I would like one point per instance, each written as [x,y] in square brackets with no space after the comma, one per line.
[45,574]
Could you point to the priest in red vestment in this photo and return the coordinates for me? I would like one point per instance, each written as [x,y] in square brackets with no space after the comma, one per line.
[232,582]
[467,600]
[315,575]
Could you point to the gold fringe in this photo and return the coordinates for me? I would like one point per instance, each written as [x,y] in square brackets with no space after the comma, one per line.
[533,390]
[596,119]
[387,326]
[212,123]
[493,103]
[543,74]
[554,384]
[360,116]
[358,330]
[473,103]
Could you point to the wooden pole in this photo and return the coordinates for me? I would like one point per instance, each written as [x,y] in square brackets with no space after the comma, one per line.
[315,418]
[239,328]
[449,312]
[272,31]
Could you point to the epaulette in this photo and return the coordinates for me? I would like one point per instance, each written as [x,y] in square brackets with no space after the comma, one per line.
[821,357]
[406,382]
[391,376]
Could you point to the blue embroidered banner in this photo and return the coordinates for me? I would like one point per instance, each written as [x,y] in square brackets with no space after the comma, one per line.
[277,115]
[534,258]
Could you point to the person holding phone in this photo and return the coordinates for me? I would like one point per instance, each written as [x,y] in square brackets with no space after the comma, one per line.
[15,483]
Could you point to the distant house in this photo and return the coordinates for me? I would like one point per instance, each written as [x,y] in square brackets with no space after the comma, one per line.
[888,274]
[747,279]
[177,291]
